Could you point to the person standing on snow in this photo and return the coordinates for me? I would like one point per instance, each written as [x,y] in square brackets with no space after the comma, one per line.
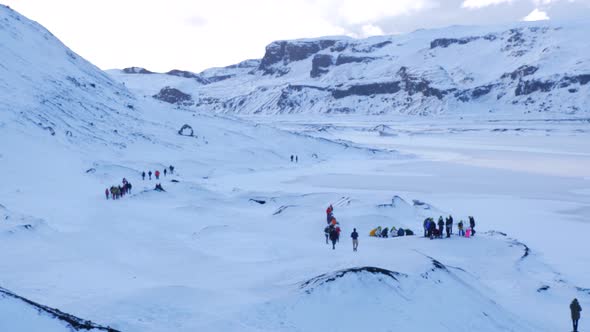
[171,169]
[333,236]
[425,225]
[165,171]
[143,175]
[157,175]
[355,239]
[327,233]
[448,226]
[575,308]
[291,158]
[472,225]
[150,174]
[441,225]
[106,192]
[296,159]
[460,226]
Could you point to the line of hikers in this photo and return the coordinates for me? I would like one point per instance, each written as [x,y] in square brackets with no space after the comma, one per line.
[392,232]
[446,225]
[296,158]
[119,191]
[332,231]
[157,173]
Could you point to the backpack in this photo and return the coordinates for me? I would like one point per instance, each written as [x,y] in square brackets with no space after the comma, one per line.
[400,232]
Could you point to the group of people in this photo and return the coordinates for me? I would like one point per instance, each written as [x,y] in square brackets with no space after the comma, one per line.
[295,158]
[157,173]
[332,231]
[445,225]
[118,191]
[390,232]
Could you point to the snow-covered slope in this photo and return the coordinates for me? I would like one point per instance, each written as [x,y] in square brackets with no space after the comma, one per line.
[520,69]
[45,85]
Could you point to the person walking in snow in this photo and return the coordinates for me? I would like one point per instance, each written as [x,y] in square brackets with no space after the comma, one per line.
[150,174]
[431,228]
[291,158]
[333,236]
[128,187]
[143,175]
[157,175]
[355,239]
[575,308]
[472,225]
[296,159]
[425,225]
[171,169]
[106,192]
[165,171]
[327,234]
[441,225]
[329,215]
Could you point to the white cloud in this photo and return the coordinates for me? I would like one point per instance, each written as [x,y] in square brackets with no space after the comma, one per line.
[369,30]
[536,15]
[476,4]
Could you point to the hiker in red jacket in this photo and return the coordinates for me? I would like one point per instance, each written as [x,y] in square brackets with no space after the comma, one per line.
[157,175]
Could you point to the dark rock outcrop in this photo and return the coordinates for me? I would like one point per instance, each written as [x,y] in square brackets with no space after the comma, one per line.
[323,279]
[320,64]
[286,52]
[72,322]
[521,72]
[344,59]
[367,89]
[136,70]
[173,96]
[528,87]
[186,130]
[187,74]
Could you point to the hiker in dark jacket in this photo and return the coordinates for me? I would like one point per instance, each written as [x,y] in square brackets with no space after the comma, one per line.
[575,309]
[355,240]
[449,226]
[384,232]
[150,174]
[171,169]
[472,225]
[327,234]
[431,228]
[441,225]
[426,221]
[165,171]
[333,236]
[401,232]
[143,175]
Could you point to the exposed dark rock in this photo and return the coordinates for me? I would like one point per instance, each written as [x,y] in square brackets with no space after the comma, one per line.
[344,59]
[368,89]
[340,110]
[259,201]
[73,322]
[521,71]
[413,85]
[186,130]
[323,279]
[446,42]
[528,87]
[543,288]
[173,96]
[214,79]
[320,64]
[250,63]
[286,52]
[188,74]
[468,95]
[136,70]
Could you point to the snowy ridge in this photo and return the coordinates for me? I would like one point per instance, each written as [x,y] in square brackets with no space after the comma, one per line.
[45,85]
[526,68]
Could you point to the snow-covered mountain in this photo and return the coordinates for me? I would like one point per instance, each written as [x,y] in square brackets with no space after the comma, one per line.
[46,86]
[524,68]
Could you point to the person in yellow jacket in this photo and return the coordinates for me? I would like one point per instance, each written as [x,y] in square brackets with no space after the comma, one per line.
[375,232]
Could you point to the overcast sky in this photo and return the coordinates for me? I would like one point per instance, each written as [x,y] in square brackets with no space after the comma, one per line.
[197,34]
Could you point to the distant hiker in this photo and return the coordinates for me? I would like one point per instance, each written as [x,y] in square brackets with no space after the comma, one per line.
[128,187]
[338,230]
[384,232]
[329,215]
[327,233]
[143,175]
[452,222]
[296,159]
[425,225]
[400,232]
[150,174]
[373,232]
[472,225]
[449,225]
[171,169]
[159,187]
[291,158]
[461,230]
[121,192]
[165,171]
[124,181]
[575,308]
[432,229]
[392,231]
[409,232]
[355,239]
[441,225]
[157,175]
[333,236]
[106,192]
